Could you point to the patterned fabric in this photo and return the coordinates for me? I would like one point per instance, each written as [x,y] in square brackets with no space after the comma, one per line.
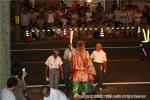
[84,87]
[82,67]
[83,72]
[53,62]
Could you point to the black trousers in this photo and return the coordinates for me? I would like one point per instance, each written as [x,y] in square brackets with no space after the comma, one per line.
[99,74]
[66,72]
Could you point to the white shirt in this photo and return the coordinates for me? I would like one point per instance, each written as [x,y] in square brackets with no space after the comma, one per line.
[110,16]
[56,95]
[50,18]
[99,56]
[53,62]
[67,54]
[130,16]
[7,95]
[123,16]
[25,19]
[88,14]
[117,15]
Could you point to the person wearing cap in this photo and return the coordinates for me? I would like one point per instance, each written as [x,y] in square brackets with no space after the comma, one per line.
[99,60]
[54,64]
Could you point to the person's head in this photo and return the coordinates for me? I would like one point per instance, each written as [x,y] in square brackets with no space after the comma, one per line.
[12,83]
[99,4]
[88,9]
[81,46]
[123,9]
[98,46]
[16,70]
[146,7]
[45,91]
[55,53]
[75,1]
[85,4]
[69,46]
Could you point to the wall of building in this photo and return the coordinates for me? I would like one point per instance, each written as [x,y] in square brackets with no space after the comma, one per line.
[4,42]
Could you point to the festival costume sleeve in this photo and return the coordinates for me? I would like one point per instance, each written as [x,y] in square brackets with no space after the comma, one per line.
[82,68]
[91,69]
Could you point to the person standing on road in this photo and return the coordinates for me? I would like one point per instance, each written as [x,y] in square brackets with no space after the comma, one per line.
[67,59]
[99,60]
[54,64]
[82,70]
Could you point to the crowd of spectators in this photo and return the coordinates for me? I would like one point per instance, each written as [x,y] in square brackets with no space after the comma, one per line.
[77,15]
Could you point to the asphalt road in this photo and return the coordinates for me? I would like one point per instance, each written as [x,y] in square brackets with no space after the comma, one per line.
[123,66]
[123,59]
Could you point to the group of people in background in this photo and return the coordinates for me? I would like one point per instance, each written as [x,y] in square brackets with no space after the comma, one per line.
[79,67]
[16,88]
[16,85]
[77,15]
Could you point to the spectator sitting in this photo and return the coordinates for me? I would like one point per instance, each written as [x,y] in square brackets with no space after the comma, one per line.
[99,6]
[123,16]
[74,6]
[7,93]
[25,19]
[88,16]
[32,16]
[137,18]
[64,21]
[50,20]
[145,10]
[109,16]
[148,16]
[117,16]
[40,22]
[68,16]
[76,15]
[130,15]
[75,18]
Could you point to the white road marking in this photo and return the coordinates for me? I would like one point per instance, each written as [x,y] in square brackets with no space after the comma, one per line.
[27,50]
[115,83]
[115,60]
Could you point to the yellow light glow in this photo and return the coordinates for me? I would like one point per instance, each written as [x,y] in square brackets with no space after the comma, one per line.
[17,19]
[146,36]
[89,1]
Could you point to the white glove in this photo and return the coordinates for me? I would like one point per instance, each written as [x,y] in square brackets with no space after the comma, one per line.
[47,79]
